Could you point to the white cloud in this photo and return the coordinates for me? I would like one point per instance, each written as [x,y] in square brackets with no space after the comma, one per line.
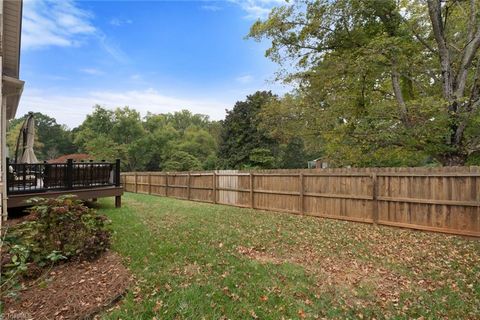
[118,22]
[72,109]
[136,77]
[111,48]
[62,23]
[211,7]
[244,79]
[258,9]
[54,23]
[92,71]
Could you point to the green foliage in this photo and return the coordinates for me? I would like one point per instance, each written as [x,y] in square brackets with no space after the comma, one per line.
[182,161]
[62,228]
[157,142]
[369,83]
[243,141]
[198,142]
[294,156]
[52,139]
[261,158]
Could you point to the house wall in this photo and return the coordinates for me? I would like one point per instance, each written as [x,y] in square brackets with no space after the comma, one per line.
[10,85]
[3,122]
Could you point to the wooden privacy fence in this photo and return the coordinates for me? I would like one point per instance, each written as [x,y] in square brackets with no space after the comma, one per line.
[440,199]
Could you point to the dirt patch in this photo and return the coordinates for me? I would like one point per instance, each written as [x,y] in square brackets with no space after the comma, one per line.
[19,218]
[71,291]
[340,273]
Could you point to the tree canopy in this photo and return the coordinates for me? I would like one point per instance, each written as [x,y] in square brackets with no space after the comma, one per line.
[180,140]
[52,139]
[379,82]
[244,144]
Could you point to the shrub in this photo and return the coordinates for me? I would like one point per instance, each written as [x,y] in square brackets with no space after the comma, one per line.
[62,228]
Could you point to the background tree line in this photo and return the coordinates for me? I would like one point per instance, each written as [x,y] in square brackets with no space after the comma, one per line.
[176,141]
[376,83]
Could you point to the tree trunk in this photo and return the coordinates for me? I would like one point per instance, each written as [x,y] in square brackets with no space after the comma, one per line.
[453,159]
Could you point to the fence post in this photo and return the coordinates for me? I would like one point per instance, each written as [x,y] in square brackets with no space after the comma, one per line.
[117,172]
[214,184]
[69,174]
[302,193]
[136,185]
[374,198]
[149,183]
[166,184]
[188,185]
[252,204]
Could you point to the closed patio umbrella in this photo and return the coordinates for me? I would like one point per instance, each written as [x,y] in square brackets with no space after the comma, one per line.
[28,155]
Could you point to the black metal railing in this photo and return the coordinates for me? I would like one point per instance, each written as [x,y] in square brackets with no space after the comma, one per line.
[43,177]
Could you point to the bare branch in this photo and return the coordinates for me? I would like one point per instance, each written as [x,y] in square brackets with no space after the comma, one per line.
[468,54]
[422,41]
[472,21]
[463,125]
[399,95]
[474,91]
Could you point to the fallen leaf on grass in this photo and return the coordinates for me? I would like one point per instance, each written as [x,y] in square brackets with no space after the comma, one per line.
[302,314]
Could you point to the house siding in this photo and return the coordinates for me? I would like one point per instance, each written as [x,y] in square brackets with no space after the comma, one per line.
[10,86]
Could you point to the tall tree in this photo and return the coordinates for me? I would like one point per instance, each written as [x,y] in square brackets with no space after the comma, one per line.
[243,141]
[381,82]
[156,142]
[294,155]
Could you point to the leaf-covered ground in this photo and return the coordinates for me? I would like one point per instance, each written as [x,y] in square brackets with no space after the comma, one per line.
[201,261]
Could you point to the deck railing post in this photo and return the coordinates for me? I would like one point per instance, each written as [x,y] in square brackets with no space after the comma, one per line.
[117,173]
[69,174]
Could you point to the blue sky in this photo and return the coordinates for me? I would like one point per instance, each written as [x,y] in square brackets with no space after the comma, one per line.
[158,56]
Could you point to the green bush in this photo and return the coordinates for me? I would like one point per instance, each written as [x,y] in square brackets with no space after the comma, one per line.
[62,228]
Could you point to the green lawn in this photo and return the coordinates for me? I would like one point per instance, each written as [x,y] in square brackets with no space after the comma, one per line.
[201,261]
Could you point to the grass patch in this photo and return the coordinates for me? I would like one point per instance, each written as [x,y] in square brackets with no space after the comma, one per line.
[202,261]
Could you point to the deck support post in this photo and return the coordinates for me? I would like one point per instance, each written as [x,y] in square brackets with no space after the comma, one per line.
[118,201]
[117,172]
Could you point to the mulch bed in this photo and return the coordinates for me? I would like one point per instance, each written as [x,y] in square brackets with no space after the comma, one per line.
[74,290]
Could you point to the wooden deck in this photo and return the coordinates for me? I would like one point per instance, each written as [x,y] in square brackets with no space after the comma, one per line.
[86,180]
[20,200]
